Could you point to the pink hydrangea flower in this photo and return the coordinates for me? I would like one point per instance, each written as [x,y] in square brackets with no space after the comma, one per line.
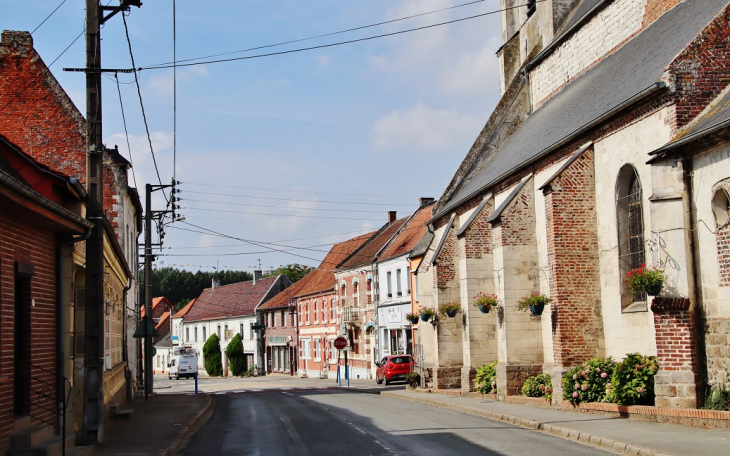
[584,386]
[577,385]
[575,394]
[575,376]
[604,375]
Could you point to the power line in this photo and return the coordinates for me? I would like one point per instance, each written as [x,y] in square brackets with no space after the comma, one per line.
[299,40]
[268,222]
[283,207]
[290,191]
[273,215]
[48,17]
[360,203]
[126,134]
[329,45]
[144,116]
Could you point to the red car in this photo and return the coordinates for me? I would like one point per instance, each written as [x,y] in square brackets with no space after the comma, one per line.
[393,367]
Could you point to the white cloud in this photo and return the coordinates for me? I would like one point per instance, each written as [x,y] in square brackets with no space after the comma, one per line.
[324,60]
[423,129]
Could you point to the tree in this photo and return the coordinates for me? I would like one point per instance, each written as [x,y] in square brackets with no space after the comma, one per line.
[293,272]
[180,286]
[212,356]
[234,350]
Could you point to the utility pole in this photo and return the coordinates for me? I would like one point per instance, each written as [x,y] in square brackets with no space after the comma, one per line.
[94,305]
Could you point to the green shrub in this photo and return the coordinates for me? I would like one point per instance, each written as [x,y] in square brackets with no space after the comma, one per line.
[538,386]
[236,360]
[413,379]
[718,398]
[212,356]
[587,382]
[632,382]
[485,380]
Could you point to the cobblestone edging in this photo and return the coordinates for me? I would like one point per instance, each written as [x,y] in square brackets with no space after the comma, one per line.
[558,431]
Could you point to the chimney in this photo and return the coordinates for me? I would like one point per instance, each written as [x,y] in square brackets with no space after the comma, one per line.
[391,216]
[425,201]
[257,275]
[216,283]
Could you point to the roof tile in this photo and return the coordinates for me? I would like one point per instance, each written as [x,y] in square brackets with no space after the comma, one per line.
[230,300]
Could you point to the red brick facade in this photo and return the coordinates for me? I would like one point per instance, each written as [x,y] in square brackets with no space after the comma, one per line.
[570,202]
[655,8]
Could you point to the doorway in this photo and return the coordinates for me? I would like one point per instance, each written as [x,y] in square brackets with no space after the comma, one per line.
[21,339]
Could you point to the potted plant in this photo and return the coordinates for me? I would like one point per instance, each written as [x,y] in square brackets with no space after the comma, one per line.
[534,301]
[413,318]
[485,303]
[450,308]
[427,313]
[413,379]
[643,279]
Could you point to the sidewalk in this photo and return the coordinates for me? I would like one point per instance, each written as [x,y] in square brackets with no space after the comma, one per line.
[157,427]
[612,433]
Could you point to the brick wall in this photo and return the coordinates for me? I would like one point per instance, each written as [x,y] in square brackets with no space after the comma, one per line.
[655,8]
[21,242]
[574,267]
[677,382]
[702,70]
[445,267]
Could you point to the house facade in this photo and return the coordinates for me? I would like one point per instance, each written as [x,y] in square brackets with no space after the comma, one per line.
[40,118]
[227,310]
[608,150]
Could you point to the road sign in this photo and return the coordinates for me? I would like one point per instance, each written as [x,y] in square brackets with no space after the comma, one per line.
[340,343]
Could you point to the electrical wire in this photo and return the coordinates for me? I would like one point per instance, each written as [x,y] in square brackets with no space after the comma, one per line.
[267,222]
[299,40]
[144,116]
[329,45]
[273,215]
[126,133]
[289,191]
[283,207]
[48,17]
[299,200]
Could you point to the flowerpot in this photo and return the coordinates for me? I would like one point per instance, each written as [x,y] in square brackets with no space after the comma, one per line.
[656,289]
[424,317]
[484,309]
[537,309]
[413,320]
[451,313]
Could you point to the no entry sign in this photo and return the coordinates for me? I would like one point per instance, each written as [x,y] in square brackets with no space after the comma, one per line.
[340,343]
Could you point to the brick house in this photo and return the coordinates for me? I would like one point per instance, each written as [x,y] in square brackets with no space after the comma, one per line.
[40,118]
[229,309]
[40,221]
[607,150]
[320,312]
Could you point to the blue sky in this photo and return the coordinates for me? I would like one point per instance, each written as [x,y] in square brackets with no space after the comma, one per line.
[306,138]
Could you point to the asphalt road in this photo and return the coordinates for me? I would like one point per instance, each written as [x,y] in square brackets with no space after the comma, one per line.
[292,421]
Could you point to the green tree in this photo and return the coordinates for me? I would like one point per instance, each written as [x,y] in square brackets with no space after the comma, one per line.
[180,286]
[293,272]
[212,356]
[234,350]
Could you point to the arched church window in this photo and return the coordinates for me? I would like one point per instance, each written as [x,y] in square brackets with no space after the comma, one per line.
[630,224]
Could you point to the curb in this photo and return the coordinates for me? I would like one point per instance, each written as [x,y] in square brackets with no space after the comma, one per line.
[558,431]
[197,422]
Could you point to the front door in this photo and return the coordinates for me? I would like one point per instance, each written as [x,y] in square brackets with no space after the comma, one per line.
[21,390]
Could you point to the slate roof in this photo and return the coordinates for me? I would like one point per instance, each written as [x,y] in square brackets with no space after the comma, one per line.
[283,298]
[323,278]
[409,236]
[422,246]
[366,253]
[633,68]
[231,300]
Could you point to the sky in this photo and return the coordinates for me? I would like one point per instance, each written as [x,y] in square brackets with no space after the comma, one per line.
[281,156]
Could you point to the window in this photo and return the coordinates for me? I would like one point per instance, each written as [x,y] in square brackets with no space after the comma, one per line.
[332,309]
[630,224]
[306,312]
[343,295]
[187,334]
[283,319]
[389,284]
[324,310]
[408,280]
[204,338]
[250,331]
[316,314]
[219,331]
[721,211]
[225,333]
[397,283]
[317,348]
[415,284]
[240,330]
[306,349]
[196,334]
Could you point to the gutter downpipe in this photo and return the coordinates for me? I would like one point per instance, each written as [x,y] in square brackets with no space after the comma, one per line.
[526,80]
[63,321]
[695,314]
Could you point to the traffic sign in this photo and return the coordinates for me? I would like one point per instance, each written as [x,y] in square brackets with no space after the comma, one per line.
[340,343]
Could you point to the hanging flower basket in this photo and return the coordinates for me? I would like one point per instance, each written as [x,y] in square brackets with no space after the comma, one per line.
[427,313]
[485,302]
[450,309]
[643,279]
[533,301]
[413,318]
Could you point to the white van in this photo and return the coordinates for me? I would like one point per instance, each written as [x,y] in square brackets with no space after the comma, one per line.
[183,363]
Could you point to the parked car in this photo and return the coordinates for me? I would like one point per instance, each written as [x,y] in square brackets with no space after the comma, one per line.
[393,367]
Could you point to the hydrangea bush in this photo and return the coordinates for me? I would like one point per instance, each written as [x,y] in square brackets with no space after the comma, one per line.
[589,381]
[485,380]
[538,386]
[632,382]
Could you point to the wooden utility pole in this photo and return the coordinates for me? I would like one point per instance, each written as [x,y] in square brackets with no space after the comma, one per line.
[94,302]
